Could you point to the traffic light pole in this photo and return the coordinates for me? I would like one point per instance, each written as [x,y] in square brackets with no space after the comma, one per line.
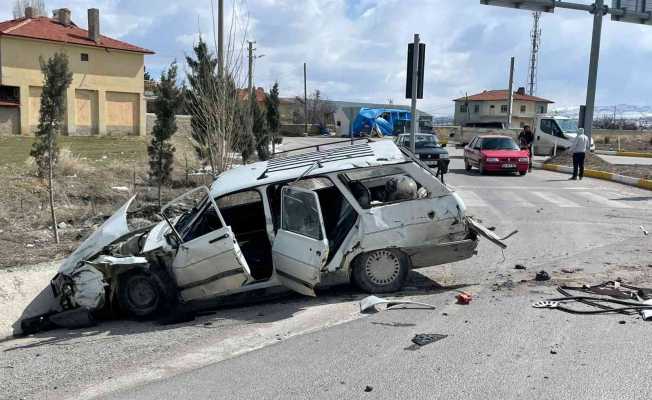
[415,77]
[641,14]
[598,13]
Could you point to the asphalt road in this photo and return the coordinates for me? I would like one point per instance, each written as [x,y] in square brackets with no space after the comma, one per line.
[298,347]
[496,347]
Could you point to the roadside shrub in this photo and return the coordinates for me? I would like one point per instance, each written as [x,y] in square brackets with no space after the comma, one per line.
[69,163]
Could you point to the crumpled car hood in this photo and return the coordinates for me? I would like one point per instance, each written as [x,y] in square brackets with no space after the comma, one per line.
[109,231]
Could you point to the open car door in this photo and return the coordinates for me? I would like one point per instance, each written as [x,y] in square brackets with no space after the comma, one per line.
[208,262]
[300,248]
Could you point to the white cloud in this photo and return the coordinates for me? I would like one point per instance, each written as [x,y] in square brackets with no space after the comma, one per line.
[355,49]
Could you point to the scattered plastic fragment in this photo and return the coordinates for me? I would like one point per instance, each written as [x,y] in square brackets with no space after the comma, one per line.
[464,298]
[645,232]
[571,270]
[423,339]
[370,302]
[542,276]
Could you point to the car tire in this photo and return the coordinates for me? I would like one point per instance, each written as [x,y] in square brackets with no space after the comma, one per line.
[467,166]
[139,294]
[522,173]
[481,168]
[380,271]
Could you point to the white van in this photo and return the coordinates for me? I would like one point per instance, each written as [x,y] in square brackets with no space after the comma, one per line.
[554,131]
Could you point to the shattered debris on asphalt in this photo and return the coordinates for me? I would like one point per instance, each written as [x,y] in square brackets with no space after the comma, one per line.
[542,276]
[424,339]
[369,303]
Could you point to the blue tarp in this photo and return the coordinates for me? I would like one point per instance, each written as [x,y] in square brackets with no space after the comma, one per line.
[387,121]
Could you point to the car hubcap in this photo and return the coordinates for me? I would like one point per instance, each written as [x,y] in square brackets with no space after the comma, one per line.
[382,267]
[141,293]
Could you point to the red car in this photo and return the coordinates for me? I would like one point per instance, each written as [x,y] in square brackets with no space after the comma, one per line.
[493,153]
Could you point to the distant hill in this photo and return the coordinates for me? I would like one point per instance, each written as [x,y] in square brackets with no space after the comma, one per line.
[623,111]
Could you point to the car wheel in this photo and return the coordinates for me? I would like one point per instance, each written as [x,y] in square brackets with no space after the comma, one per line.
[481,168]
[139,294]
[380,271]
[467,166]
[522,173]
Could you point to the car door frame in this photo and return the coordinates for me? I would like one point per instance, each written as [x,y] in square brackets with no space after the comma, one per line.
[295,270]
[231,273]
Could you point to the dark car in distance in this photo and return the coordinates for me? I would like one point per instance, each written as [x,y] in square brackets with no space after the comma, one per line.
[427,148]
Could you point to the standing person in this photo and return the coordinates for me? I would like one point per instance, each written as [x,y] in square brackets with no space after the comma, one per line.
[578,149]
[525,139]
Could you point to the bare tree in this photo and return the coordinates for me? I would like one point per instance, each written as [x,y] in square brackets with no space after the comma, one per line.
[320,110]
[37,5]
[215,105]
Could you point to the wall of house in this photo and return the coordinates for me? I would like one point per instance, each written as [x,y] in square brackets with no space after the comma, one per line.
[9,121]
[491,111]
[106,71]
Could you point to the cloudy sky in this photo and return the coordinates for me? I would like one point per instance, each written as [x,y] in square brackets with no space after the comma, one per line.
[356,49]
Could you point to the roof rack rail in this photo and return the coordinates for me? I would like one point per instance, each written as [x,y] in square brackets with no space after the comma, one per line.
[317,146]
[320,156]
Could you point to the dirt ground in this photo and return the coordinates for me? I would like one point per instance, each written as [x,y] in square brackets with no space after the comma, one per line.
[629,140]
[94,177]
[596,163]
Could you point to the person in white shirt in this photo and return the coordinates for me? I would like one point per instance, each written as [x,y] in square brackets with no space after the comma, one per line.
[579,148]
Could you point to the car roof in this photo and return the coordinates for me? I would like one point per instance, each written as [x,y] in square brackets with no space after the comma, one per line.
[342,158]
[419,134]
[495,136]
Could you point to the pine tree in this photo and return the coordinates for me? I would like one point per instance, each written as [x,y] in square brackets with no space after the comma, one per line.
[245,142]
[202,80]
[56,79]
[161,151]
[273,114]
[259,127]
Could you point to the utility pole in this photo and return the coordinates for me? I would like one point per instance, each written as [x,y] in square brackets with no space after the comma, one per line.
[415,85]
[251,68]
[220,37]
[534,54]
[510,93]
[305,98]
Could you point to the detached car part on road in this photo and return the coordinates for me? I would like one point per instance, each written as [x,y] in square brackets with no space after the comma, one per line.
[365,213]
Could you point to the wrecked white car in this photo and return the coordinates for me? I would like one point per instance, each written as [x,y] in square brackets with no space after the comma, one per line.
[363,213]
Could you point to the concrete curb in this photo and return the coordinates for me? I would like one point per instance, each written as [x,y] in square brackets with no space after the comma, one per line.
[24,292]
[608,176]
[624,153]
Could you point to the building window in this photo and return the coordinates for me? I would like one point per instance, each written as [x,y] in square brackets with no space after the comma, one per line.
[84,56]
[464,108]
[542,110]
[492,106]
[476,108]
[503,108]
[523,108]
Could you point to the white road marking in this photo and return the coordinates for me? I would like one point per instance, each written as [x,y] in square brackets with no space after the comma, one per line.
[471,199]
[556,199]
[593,197]
[512,199]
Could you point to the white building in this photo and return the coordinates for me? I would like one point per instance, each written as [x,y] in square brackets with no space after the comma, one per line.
[490,107]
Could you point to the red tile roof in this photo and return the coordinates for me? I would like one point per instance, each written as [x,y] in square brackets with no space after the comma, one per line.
[261,97]
[45,28]
[498,95]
